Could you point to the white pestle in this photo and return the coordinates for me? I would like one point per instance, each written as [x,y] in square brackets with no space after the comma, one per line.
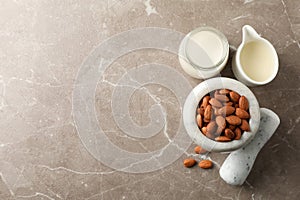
[238,164]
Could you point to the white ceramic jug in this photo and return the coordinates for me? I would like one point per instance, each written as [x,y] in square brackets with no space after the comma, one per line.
[256,60]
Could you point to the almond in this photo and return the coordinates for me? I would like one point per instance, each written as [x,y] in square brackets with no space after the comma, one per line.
[234,96]
[208,113]
[238,133]
[200,111]
[232,127]
[211,127]
[221,122]
[245,125]
[224,91]
[189,162]
[221,97]
[216,111]
[229,133]
[242,113]
[228,103]
[199,150]
[205,101]
[219,131]
[204,104]
[216,93]
[243,103]
[204,130]
[222,139]
[206,120]
[205,164]
[210,135]
[226,110]
[199,120]
[233,120]
[214,102]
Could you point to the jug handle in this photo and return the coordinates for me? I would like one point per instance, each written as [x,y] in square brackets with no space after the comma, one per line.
[249,34]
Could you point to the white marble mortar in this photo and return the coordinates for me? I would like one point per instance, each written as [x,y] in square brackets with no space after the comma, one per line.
[191,104]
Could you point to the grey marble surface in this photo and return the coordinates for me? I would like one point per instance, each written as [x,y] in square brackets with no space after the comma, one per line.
[43,154]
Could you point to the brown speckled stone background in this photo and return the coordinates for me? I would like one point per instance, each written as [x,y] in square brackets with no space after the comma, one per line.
[42,46]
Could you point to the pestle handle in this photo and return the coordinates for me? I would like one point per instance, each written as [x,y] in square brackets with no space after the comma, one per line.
[238,164]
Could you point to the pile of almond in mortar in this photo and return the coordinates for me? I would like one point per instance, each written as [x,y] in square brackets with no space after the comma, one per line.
[223,116]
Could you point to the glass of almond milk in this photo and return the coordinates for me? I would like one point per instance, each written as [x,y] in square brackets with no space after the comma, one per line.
[203,52]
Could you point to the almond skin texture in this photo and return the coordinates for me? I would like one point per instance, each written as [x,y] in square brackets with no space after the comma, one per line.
[226,110]
[234,96]
[216,111]
[210,135]
[211,127]
[233,120]
[206,120]
[221,122]
[205,101]
[219,131]
[222,139]
[228,103]
[207,113]
[229,133]
[204,104]
[232,127]
[200,111]
[242,113]
[204,130]
[189,162]
[214,102]
[216,93]
[224,91]
[199,150]
[238,133]
[243,103]
[199,120]
[221,97]
[205,164]
[245,125]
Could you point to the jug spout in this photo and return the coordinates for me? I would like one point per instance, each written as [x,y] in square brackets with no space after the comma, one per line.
[249,34]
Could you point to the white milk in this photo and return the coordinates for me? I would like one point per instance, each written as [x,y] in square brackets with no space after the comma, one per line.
[257,61]
[204,49]
[204,52]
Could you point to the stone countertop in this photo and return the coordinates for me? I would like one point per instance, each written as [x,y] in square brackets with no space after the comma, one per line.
[49,148]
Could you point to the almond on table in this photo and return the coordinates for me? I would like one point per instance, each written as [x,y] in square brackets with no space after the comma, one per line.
[199,150]
[205,164]
[189,162]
